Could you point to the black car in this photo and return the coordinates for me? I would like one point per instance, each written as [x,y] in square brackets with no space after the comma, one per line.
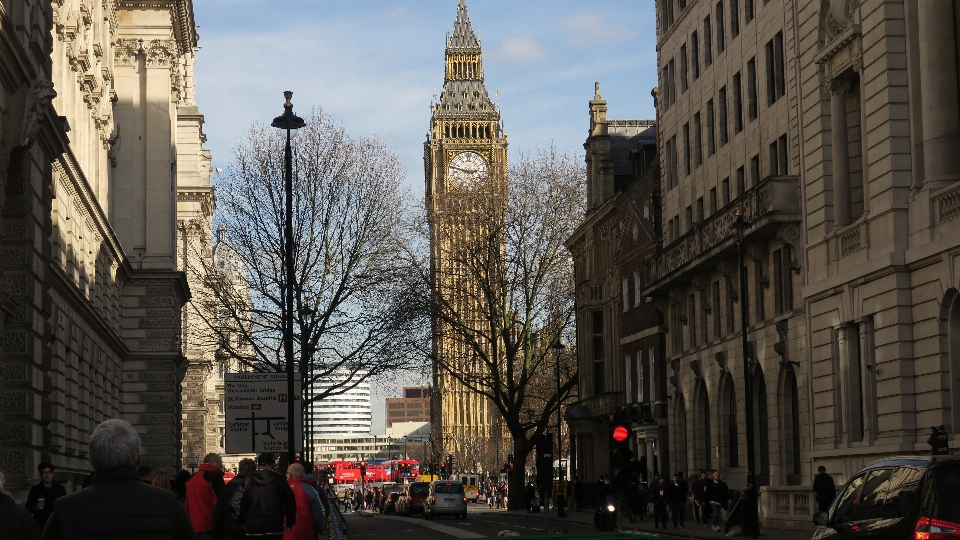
[389,504]
[901,498]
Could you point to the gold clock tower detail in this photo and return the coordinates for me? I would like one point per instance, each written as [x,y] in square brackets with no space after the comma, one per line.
[465,161]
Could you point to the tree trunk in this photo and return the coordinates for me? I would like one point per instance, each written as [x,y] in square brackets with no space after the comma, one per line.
[516,483]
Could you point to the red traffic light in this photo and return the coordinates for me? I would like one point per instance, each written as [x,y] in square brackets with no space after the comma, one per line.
[620,433]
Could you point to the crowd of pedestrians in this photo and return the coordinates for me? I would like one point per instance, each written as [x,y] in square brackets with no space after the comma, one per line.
[124,499]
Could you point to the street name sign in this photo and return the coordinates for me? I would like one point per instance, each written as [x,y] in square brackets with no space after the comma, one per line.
[256,412]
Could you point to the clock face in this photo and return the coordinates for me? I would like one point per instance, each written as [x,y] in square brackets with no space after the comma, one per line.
[467,170]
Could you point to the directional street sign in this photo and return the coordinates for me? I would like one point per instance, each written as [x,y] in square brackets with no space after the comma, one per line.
[256,412]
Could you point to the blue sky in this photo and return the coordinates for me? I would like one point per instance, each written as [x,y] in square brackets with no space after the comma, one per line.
[375,65]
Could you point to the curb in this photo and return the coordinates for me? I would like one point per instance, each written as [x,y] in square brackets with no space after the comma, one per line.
[445,529]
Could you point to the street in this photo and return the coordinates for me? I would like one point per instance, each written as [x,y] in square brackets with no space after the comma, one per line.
[482,522]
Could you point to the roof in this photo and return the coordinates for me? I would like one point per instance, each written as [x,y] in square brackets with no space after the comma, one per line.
[626,136]
[462,36]
[465,97]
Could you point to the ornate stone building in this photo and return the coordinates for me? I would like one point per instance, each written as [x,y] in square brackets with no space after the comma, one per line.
[833,126]
[90,102]
[619,353]
[465,161]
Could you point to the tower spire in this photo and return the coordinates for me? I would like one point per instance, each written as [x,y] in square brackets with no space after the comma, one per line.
[462,36]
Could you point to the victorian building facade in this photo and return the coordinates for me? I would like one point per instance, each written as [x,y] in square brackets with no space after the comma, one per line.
[832,127]
[619,350]
[92,145]
[465,161]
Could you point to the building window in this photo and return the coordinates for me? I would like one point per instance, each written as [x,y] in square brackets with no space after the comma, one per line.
[724,192]
[640,381]
[754,170]
[749,11]
[734,18]
[716,310]
[697,140]
[758,286]
[672,81]
[652,361]
[675,331]
[220,403]
[683,67]
[713,201]
[695,56]
[745,299]
[711,142]
[626,293]
[729,417]
[673,168]
[741,182]
[702,447]
[688,214]
[598,352]
[752,89]
[776,74]
[737,104]
[698,211]
[782,281]
[637,287]
[704,310]
[720,33]
[722,124]
[223,437]
[729,310]
[691,320]
[707,42]
[687,158]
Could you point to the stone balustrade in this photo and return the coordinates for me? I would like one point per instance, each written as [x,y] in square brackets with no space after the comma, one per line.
[787,507]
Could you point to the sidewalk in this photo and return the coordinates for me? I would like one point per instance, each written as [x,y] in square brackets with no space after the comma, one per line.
[692,530]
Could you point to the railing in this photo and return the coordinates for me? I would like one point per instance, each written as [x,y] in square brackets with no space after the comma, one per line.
[947,204]
[774,200]
[787,507]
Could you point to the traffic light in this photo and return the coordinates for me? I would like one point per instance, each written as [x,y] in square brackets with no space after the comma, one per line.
[450,463]
[620,453]
[510,465]
[443,471]
[435,469]
[938,442]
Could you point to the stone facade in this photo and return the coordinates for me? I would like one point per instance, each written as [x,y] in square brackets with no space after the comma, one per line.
[832,125]
[92,293]
[619,354]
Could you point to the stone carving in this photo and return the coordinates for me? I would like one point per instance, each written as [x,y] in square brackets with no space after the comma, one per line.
[840,15]
[166,420]
[780,347]
[10,431]
[35,105]
[695,368]
[14,373]
[14,463]
[790,236]
[14,403]
[728,269]
[161,53]
[161,301]
[15,342]
[721,359]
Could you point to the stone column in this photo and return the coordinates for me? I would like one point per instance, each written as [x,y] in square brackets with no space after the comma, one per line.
[938,83]
[650,455]
[841,153]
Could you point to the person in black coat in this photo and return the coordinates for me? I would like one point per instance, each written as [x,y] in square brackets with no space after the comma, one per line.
[719,496]
[224,526]
[265,504]
[42,496]
[660,496]
[825,488]
[678,500]
[15,522]
[117,504]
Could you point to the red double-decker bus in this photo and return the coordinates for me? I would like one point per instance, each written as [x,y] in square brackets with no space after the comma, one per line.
[404,470]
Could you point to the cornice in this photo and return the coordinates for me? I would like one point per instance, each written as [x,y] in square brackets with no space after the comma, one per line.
[184,26]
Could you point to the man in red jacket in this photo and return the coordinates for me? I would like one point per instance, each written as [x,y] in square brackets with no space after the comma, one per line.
[202,493]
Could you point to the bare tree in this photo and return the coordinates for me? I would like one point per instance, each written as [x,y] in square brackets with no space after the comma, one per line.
[353,319]
[511,298]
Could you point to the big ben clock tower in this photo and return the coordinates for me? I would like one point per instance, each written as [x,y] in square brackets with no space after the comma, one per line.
[465,161]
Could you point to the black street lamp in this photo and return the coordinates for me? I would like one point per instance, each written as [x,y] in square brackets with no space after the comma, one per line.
[750,525]
[558,346]
[289,122]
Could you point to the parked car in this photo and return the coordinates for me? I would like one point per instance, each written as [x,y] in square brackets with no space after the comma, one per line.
[901,498]
[445,498]
[411,498]
[388,504]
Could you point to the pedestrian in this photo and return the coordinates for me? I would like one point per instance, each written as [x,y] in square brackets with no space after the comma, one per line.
[180,484]
[310,515]
[678,501]
[42,496]
[702,498]
[529,494]
[144,472]
[265,505]
[369,499]
[117,504]
[15,521]
[694,490]
[202,493]
[661,498]
[162,481]
[719,496]
[825,488]
[225,527]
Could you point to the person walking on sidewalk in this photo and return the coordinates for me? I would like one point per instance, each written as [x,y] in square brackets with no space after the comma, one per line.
[694,490]
[660,495]
[310,515]
[678,501]
[825,488]
[265,505]
[202,493]
[42,496]
[701,498]
[224,526]
[719,496]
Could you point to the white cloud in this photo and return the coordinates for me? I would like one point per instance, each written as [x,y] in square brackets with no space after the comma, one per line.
[584,28]
[397,13]
[519,50]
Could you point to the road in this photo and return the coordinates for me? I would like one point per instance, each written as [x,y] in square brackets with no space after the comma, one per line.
[480,522]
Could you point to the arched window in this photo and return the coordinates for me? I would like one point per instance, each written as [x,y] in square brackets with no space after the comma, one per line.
[702,446]
[954,332]
[680,433]
[790,427]
[730,438]
[761,429]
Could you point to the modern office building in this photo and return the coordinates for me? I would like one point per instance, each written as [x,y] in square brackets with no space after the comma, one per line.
[342,415]
[414,406]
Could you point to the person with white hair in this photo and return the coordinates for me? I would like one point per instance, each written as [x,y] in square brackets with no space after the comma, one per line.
[16,523]
[117,504]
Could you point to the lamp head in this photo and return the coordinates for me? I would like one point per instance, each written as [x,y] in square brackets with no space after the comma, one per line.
[288,120]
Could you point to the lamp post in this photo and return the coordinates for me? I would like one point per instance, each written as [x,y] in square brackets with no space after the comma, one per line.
[751,518]
[290,122]
[558,346]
